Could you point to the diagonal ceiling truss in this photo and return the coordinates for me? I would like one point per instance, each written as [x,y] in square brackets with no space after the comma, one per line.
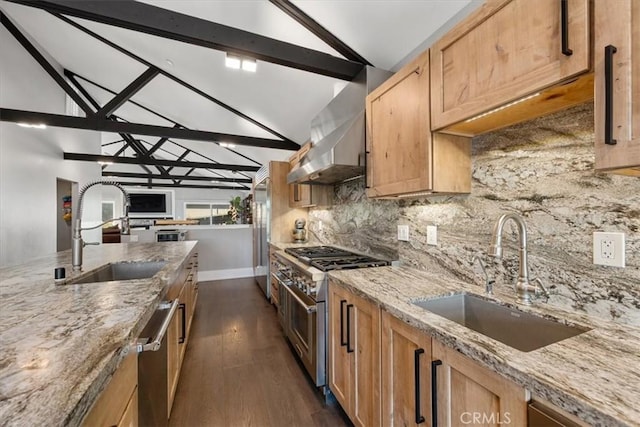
[138,145]
[153,20]
[165,23]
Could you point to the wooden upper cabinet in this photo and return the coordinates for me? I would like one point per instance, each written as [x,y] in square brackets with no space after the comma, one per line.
[617,36]
[403,157]
[503,52]
[305,195]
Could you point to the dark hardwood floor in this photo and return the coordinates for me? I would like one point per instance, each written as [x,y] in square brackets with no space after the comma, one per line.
[239,370]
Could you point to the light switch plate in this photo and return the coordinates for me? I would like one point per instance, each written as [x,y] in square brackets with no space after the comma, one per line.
[608,249]
[403,233]
[432,235]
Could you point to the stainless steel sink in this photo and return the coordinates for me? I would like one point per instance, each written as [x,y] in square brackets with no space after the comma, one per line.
[122,271]
[515,328]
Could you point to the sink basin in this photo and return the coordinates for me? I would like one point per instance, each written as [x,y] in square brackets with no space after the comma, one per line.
[122,271]
[515,328]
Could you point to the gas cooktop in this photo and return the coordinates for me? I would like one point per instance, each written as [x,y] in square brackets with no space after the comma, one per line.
[326,258]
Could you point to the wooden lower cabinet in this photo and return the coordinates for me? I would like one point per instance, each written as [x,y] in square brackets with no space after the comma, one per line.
[180,326]
[469,394]
[118,402]
[406,357]
[354,355]
[173,358]
[381,370]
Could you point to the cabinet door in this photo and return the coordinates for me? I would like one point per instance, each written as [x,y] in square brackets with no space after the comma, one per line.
[406,374]
[339,360]
[173,357]
[119,399]
[399,134]
[504,51]
[299,195]
[617,35]
[469,394]
[364,340]
[130,416]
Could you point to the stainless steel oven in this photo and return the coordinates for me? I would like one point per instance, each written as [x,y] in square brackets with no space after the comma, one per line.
[304,318]
[302,288]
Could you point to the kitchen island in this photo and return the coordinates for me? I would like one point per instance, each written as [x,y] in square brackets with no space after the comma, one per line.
[60,344]
[593,376]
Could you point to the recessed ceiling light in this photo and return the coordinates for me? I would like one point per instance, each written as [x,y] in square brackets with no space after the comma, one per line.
[232,61]
[250,65]
[33,126]
[170,62]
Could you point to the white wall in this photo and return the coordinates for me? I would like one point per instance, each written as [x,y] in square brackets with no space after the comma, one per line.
[31,159]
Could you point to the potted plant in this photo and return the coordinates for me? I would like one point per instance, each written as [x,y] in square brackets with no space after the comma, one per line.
[236,210]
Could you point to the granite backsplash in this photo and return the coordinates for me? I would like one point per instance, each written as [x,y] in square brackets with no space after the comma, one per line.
[542,170]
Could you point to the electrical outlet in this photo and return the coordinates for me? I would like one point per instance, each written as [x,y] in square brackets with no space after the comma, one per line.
[608,249]
[403,233]
[432,235]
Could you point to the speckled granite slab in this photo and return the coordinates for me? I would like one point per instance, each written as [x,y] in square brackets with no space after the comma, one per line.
[595,375]
[60,344]
[542,170]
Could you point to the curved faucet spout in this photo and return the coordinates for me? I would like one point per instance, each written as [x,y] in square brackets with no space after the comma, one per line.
[524,290]
[77,243]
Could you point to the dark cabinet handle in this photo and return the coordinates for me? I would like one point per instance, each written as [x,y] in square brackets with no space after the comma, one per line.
[366,176]
[609,50]
[349,349]
[564,17]
[343,342]
[183,314]
[434,392]
[416,368]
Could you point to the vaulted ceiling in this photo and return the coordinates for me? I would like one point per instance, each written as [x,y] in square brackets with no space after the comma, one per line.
[161,64]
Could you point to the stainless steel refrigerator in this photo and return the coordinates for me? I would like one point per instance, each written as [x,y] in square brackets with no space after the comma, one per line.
[261,228]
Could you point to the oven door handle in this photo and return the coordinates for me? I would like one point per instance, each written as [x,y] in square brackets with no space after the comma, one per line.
[308,308]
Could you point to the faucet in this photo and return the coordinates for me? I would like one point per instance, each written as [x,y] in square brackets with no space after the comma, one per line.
[77,243]
[525,291]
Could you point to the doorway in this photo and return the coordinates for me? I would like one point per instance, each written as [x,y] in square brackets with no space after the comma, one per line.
[64,214]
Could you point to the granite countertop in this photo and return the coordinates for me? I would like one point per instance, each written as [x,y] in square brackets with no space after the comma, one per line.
[60,344]
[595,375]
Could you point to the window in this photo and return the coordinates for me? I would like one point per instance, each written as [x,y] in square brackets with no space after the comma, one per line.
[108,210]
[207,213]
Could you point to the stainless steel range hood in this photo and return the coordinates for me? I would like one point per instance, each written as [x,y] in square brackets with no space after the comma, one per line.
[338,134]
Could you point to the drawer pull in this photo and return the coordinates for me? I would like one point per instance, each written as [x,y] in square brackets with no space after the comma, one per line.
[609,50]
[564,17]
[416,369]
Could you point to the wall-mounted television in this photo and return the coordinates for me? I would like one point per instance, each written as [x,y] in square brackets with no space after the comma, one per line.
[151,203]
[148,203]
